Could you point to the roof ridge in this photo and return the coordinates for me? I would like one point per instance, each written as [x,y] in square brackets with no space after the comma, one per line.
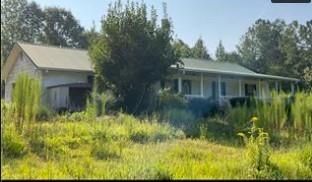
[51,46]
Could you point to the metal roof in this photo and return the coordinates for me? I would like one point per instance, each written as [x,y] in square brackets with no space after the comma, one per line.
[69,59]
[200,65]
[56,58]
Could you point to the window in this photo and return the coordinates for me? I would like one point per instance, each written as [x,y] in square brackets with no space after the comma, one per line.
[186,87]
[175,86]
[223,89]
[250,89]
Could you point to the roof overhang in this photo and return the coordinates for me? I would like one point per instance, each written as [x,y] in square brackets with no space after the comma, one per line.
[72,85]
[254,75]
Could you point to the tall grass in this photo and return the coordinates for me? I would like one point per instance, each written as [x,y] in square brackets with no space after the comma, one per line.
[279,114]
[301,114]
[26,100]
[272,113]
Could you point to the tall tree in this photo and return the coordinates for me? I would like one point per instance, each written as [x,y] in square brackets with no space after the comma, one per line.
[259,47]
[34,20]
[133,52]
[182,49]
[62,28]
[220,52]
[199,50]
[20,21]
[89,36]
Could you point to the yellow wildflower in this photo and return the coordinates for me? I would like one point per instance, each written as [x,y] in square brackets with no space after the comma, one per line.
[254,119]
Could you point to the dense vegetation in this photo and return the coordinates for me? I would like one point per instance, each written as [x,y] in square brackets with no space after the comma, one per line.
[172,143]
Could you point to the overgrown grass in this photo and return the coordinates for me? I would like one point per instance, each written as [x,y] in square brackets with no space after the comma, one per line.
[123,147]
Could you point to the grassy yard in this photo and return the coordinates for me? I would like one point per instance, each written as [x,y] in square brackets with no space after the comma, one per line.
[123,147]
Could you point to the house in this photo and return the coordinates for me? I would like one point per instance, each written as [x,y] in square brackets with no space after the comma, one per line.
[67,76]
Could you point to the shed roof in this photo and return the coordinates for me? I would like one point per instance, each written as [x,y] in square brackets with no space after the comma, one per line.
[51,57]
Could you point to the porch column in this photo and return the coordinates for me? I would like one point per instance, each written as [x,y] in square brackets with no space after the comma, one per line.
[259,88]
[276,86]
[179,84]
[292,86]
[240,87]
[219,89]
[201,85]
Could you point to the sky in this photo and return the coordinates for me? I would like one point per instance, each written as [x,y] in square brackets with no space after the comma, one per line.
[213,20]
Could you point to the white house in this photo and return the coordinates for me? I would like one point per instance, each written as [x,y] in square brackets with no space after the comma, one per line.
[67,76]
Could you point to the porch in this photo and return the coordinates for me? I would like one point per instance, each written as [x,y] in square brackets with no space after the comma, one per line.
[224,86]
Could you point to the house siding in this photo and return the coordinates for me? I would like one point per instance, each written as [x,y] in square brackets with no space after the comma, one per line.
[22,65]
[53,78]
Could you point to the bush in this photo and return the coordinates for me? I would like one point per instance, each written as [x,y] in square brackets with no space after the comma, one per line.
[202,107]
[44,114]
[13,144]
[139,136]
[168,100]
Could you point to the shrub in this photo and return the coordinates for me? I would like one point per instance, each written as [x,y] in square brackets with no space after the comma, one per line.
[202,107]
[44,114]
[13,144]
[139,136]
[169,100]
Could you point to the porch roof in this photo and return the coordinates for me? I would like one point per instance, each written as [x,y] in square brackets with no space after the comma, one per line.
[203,66]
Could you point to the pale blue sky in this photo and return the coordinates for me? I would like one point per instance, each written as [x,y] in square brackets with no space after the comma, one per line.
[213,20]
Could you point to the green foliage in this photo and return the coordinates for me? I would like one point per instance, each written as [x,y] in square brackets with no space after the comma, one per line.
[301,114]
[44,114]
[169,100]
[199,50]
[306,156]
[182,49]
[140,51]
[307,77]
[258,152]
[273,113]
[277,48]
[61,28]
[13,144]
[20,21]
[26,100]
[102,151]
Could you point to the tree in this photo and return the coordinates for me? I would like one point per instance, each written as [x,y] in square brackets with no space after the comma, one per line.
[220,52]
[307,78]
[132,54]
[182,49]
[89,36]
[199,50]
[61,28]
[259,47]
[34,20]
[20,21]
